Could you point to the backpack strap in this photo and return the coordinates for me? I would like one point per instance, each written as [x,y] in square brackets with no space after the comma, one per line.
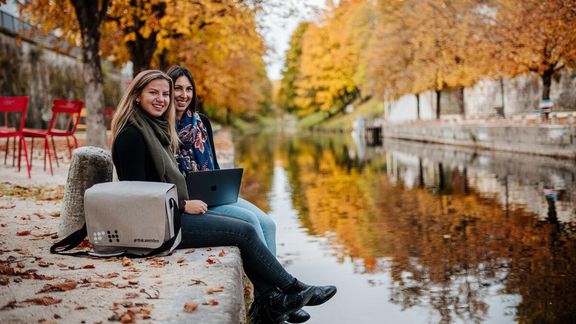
[70,242]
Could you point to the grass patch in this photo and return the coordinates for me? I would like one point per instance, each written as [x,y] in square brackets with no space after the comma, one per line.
[368,110]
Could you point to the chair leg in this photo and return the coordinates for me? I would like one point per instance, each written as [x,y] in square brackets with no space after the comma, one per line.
[32,153]
[55,152]
[14,152]
[6,150]
[47,152]
[69,147]
[22,145]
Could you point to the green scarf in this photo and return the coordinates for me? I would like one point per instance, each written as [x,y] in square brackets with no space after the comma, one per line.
[157,138]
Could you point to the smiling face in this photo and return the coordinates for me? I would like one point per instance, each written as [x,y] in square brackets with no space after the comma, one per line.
[155,97]
[183,94]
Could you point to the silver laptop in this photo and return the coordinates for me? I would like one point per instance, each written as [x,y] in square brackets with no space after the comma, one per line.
[215,187]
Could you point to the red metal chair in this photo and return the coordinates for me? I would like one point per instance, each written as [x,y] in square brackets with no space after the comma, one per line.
[63,123]
[13,126]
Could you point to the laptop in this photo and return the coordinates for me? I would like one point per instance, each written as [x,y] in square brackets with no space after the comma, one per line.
[215,187]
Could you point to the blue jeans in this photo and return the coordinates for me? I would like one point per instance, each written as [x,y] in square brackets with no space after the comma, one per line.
[246,211]
[261,267]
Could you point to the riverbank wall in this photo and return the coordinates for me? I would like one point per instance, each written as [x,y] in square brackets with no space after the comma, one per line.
[543,139]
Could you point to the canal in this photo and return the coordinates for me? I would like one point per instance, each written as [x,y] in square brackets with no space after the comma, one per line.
[419,233]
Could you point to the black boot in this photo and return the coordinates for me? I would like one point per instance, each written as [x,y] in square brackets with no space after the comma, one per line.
[299,316]
[280,305]
[321,293]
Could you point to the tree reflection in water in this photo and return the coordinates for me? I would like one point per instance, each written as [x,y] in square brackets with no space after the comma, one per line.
[430,224]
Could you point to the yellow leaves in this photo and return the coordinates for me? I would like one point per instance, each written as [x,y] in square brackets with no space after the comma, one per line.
[130,37]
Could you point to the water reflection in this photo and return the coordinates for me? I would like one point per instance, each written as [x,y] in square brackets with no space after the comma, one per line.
[469,236]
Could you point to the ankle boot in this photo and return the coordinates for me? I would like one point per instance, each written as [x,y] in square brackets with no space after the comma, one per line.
[281,305]
[321,293]
[299,316]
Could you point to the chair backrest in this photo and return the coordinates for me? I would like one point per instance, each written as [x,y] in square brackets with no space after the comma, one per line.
[14,105]
[69,112]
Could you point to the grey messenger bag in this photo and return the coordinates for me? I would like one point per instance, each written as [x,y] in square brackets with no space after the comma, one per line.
[127,218]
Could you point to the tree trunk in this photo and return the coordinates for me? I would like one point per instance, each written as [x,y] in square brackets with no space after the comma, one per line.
[502,93]
[142,49]
[461,105]
[89,16]
[547,82]
[438,93]
[418,106]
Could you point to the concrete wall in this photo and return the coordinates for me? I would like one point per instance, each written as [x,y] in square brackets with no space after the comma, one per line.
[554,140]
[29,70]
[521,96]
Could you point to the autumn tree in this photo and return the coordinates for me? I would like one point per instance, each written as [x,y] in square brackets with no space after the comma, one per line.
[331,71]
[287,92]
[88,18]
[218,40]
[533,36]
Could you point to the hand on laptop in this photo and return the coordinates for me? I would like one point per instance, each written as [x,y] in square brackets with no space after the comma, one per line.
[195,207]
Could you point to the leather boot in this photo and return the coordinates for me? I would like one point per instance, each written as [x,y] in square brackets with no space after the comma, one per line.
[281,305]
[299,316]
[321,293]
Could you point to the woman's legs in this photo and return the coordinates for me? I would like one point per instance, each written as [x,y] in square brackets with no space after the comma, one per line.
[264,225]
[214,230]
[266,222]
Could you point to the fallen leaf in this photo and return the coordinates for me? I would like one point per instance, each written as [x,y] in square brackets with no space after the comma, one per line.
[43,321]
[104,284]
[23,233]
[44,264]
[7,206]
[4,281]
[126,262]
[158,262]
[23,251]
[20,264]
[64,286]
[80,308]
[221,253]
[190,307]
[11,305]
[154,295]
[181,260]
[130,277]
[88,266]
[211,302]
[211,261]
[190,251]
[55,214]
[131,295]
[43,301]
[128,317]
[210,291]
[197,282]
[209,249]
[109,275]
[40,215]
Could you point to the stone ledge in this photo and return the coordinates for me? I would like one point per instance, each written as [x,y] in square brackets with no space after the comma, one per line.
[162,285]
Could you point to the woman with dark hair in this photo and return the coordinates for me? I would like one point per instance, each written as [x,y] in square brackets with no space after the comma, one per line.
[144,140]
[198,153]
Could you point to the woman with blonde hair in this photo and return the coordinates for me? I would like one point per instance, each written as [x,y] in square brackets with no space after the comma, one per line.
[143,147]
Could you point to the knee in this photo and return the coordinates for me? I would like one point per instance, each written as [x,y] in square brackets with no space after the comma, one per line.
[247,230]
[268,224]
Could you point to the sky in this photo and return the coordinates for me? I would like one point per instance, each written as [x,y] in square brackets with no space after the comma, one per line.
[278,29]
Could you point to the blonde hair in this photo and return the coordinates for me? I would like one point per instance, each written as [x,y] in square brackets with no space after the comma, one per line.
[128,105]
